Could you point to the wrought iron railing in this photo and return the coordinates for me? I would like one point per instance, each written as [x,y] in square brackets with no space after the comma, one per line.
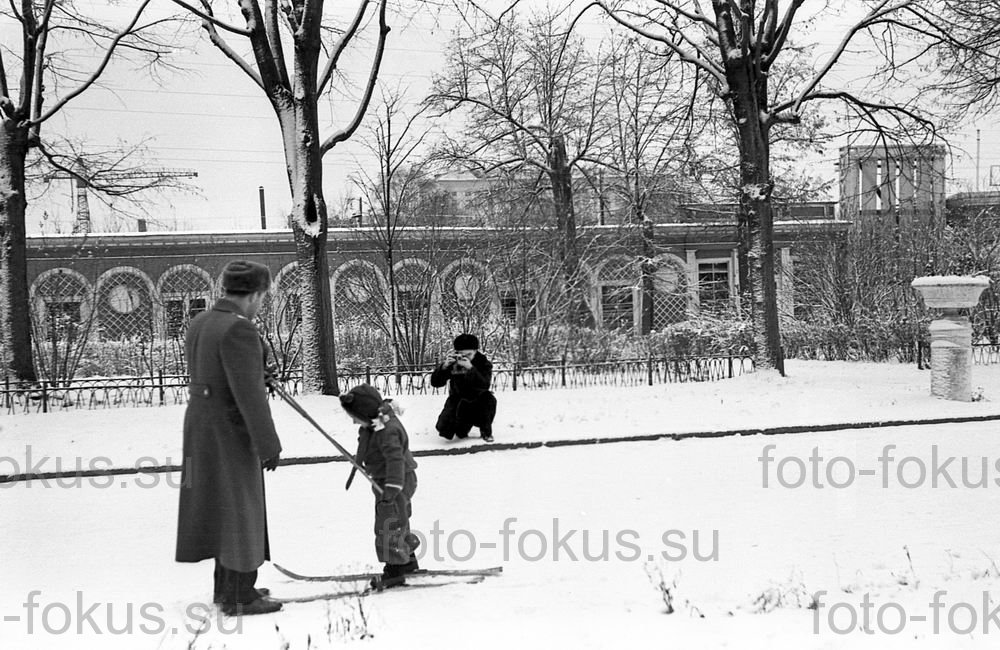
[985,353]
[163,389]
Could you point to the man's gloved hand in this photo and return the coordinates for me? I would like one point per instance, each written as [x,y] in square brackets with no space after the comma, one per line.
[271,463]
[389,493]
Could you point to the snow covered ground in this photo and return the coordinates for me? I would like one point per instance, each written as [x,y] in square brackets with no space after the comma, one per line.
[814,392]
[896,542]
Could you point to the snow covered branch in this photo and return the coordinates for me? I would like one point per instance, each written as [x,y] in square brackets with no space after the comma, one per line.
[697,58]
[345,133]
[341,45]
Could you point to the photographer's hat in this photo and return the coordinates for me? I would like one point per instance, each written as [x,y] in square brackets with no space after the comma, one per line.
[466,342]
[243,276]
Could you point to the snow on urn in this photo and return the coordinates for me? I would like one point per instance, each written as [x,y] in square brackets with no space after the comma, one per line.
[951,334]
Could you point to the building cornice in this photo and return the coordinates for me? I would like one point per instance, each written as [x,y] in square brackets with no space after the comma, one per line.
[723,230]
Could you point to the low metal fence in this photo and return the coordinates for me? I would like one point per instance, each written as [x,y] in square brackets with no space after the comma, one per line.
[166,389]
[984,354]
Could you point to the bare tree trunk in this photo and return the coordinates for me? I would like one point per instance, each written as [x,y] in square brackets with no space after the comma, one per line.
[390,271]
[319,369]
[757,236]
[561,178]
[309,226]
[15,316]
[648,270]
[748,98]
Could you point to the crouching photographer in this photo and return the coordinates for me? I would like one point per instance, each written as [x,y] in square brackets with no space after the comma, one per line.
[470,403]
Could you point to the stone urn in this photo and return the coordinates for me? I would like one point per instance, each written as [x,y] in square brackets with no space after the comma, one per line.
[951,334]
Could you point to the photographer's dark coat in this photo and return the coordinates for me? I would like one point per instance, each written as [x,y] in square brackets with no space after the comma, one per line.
[228,431]
[470,402]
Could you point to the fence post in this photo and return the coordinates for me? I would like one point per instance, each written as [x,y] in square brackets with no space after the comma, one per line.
[163,398]
[6,389]
[562,370]
[45,397]
[649,368]
[514,382]
[368,374]
[730,360]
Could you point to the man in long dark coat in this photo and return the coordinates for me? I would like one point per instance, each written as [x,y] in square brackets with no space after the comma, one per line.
[229,437]
[470,403]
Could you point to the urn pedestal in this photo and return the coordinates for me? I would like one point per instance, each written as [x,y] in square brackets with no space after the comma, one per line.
[951,333]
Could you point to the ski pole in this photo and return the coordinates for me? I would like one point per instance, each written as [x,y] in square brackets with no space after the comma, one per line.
[301,411]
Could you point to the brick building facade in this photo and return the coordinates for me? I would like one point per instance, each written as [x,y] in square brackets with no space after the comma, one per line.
[149,284]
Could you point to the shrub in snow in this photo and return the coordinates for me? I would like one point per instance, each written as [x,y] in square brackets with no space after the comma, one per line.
[791,593]
[668,590]
[863,340]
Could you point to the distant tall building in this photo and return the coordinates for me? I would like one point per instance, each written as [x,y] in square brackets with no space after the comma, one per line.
[905,183]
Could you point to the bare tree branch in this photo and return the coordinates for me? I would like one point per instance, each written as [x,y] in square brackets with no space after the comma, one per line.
[696,16]
[28,59]
[312,13]
[341,45]
[274,40]
[97,72]
[216,39]
[345,133]
[694,59]
[14,11]
[878,11]
[6,105]
[273,77]
[210,17]
[775,47]
[869,107]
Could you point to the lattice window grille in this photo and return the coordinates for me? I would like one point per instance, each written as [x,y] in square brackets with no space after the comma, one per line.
[413,294]
[359,299]
[670,294]
[617,281]
[466,294]
[281,313]
[184,294]
[125,309]
[61,306]
[519,307]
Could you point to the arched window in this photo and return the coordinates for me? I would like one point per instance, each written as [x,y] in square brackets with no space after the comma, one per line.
[124,305]
[61,305]
[414,290]
[359,298]
[185,292]
[281,313]
[467,295]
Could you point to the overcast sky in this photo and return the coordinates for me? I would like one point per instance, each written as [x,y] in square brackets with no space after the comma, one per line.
[213,120]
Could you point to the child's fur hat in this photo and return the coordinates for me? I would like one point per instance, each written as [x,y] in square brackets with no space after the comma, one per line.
[362,401]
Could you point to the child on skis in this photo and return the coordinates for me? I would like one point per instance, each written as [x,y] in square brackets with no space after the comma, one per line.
[384,451]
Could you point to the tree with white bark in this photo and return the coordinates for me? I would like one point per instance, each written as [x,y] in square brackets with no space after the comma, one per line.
[740,46]
[297,50]
[38,80]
